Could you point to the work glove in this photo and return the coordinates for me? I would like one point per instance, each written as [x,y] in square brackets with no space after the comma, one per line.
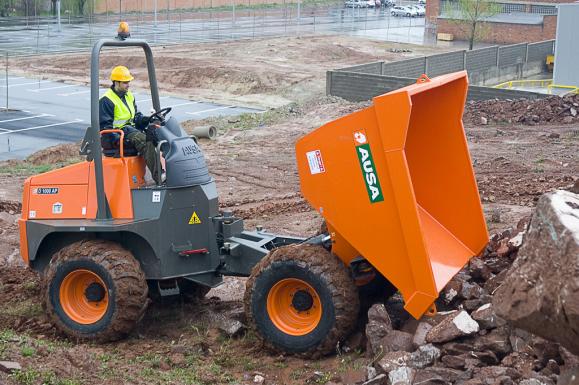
[141,121]
[151,133]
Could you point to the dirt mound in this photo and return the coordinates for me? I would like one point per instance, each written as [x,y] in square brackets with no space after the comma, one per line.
[62,153]
[10,207]
[553,109]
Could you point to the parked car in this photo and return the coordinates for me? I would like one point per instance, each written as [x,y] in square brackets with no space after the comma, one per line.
[356,3]
[403,11]
[388,3]
[419,10]
[370,3]
[422,2]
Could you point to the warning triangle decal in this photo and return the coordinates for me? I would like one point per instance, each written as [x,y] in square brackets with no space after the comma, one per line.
[194,219]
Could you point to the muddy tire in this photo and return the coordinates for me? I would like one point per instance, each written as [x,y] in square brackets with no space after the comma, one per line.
[301,299]
[95,290]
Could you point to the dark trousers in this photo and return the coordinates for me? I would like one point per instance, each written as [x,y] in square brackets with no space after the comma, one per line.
[146,150]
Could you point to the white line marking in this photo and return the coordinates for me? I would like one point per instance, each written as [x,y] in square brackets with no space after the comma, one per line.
[74,93]
[25,84]
[37,127]
[184,104]
[149,99]
[27,117]
[50,88]
[211,109]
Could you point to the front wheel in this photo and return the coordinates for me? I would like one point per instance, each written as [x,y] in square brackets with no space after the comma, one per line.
[95,290]
[302,300]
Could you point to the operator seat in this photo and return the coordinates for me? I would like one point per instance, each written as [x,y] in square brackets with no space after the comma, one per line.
[112,149]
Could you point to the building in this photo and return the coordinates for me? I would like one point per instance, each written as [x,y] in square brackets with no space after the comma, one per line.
[517,21]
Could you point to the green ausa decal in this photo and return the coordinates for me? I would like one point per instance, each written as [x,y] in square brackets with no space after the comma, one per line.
[368,168]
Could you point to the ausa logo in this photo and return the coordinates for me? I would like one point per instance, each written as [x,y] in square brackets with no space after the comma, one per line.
[368,168]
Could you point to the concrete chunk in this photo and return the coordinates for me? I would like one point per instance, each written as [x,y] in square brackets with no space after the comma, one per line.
[452,327]
[541,291]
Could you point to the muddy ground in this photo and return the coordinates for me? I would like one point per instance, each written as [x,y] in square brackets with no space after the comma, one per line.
[253,163]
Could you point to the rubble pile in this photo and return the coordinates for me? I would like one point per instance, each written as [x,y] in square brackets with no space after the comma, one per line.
[467,342]
[553,109]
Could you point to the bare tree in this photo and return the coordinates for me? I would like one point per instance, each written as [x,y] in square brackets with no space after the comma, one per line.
[469,16]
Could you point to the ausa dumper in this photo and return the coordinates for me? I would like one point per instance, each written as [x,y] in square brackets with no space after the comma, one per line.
[395,187]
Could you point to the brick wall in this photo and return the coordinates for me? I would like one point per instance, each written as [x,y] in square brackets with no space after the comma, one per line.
[498,32]
[505,33]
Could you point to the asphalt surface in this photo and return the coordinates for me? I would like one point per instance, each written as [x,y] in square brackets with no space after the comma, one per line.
[44,113]
[42,35]
[54,112]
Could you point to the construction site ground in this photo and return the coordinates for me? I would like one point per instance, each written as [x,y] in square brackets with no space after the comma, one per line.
[253,164]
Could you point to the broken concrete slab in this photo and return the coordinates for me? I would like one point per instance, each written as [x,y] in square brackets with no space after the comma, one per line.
[541,291]
[402,376]
[9,366]
[422,330]
[395,340]
[452,327]
[487,318]
[378,326]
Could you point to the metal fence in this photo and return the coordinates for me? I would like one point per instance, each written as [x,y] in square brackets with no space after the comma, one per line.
[490,65]
[492,62]
[43,34]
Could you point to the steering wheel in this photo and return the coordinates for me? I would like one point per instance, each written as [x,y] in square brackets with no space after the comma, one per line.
[160,115]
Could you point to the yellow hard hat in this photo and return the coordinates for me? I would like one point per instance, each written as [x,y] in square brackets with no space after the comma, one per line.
[121,74]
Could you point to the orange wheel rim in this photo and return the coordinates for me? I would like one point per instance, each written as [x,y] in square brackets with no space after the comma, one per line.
[294,307]
[84,296]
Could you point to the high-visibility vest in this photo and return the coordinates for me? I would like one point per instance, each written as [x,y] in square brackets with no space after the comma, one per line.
[123,114]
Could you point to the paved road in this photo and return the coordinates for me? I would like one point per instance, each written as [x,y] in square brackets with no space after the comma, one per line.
[54,112]
[211,26]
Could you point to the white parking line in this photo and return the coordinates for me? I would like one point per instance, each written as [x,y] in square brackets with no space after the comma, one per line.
[74,93]
[26,84]
[37,127]
[211,109]
[149,99]
[184,104]
[27,117]
[51,88]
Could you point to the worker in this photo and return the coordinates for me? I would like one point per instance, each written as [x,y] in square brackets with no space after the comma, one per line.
[118,110]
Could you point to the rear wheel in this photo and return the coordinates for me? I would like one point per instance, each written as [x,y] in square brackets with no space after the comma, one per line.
[301,299]
[95,289]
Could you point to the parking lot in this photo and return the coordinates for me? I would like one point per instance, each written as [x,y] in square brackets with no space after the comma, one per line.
[43,113]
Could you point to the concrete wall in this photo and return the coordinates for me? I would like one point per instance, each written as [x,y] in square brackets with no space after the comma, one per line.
[358,87]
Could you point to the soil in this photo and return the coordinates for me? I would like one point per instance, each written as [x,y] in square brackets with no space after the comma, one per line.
[253,163]
[268,72]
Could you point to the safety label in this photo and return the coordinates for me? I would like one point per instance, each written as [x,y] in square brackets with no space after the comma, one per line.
[57,208]
[194,219]
[316,162]
[368,167]
[32,214]
[156,196]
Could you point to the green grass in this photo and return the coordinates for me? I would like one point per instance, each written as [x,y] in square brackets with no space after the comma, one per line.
[27,308]
[26,377]
[25,169]
[250,121]
[27,351]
